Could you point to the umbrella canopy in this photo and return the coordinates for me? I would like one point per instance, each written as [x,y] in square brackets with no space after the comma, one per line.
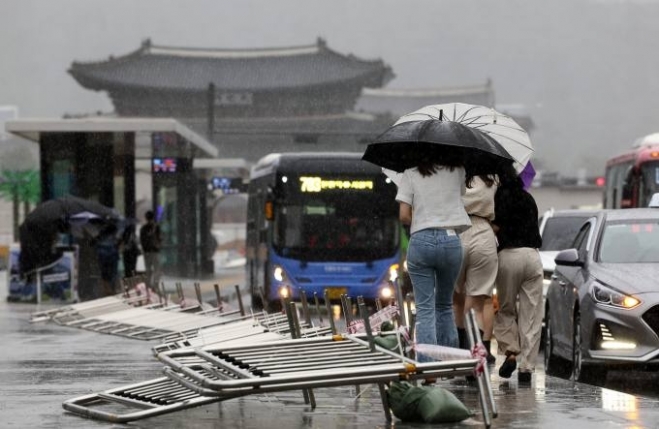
[406,144]
[499,126]
[39,231]
[527,175]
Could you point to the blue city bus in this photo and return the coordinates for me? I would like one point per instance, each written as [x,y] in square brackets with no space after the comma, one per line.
[320,222]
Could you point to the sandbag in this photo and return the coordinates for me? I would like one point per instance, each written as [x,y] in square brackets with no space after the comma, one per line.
[428,404]
[439,405]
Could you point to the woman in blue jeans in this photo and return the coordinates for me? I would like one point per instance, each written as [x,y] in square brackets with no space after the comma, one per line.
[430,198]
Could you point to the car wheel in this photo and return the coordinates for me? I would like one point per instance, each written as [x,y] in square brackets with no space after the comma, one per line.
[592,374]
[554,365]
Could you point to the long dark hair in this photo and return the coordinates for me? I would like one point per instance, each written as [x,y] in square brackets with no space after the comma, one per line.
[436,159]
[508,177]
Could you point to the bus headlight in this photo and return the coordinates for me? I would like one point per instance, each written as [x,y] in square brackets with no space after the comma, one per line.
[278,273]
[284,292]
[393,272]
[386,292]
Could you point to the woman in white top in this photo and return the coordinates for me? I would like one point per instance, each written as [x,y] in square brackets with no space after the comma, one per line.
[430,197]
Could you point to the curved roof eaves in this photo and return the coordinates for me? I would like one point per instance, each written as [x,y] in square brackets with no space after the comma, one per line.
[143,68]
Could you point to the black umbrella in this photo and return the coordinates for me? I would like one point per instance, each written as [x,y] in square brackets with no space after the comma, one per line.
[39,231]
[404,145]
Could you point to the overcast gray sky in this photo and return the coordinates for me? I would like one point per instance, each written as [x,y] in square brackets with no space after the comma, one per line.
[587,70]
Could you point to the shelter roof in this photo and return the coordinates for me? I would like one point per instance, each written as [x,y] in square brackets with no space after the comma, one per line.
[193,69]
[142,127]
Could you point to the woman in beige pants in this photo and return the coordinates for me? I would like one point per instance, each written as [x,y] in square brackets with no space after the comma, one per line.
[517,325]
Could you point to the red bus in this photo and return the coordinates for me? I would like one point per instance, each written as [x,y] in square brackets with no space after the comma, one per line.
[633,177]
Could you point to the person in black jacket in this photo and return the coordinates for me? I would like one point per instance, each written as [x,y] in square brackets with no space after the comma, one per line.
[151,242]
[518,322]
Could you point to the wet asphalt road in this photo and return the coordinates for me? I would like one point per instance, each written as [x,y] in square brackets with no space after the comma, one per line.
[44,364]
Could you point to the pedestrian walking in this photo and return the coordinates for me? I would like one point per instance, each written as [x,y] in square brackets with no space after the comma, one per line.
[130,250]
[107,252]
[151,242]
[430,202]
[518,322]
[480,262]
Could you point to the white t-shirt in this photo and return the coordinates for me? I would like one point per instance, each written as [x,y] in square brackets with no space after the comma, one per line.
[436,200]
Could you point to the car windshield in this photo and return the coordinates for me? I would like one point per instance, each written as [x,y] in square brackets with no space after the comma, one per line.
[559,232]
[630,242]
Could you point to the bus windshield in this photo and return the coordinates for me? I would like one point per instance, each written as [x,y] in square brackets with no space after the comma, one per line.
[340,227]
[649,182]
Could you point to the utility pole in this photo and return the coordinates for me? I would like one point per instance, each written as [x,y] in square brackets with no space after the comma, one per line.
[211,112]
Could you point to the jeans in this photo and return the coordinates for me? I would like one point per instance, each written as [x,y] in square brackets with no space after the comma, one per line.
[434,257]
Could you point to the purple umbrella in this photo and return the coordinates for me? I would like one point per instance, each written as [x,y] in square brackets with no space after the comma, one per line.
[527,175]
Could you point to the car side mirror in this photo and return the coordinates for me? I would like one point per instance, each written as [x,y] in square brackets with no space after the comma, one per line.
[568,257]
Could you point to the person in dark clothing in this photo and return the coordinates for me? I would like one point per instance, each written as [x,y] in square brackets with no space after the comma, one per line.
[130,250]
[151,241]
[517,325]
[107,251]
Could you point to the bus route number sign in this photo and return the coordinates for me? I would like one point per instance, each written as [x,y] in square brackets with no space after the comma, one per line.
[319,184]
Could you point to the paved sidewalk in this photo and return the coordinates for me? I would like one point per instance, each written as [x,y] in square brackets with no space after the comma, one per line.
[45,364]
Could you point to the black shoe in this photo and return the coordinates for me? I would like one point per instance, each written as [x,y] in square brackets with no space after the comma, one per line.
[508,367]
[524,377]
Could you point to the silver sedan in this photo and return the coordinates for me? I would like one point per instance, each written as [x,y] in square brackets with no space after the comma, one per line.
[602,306]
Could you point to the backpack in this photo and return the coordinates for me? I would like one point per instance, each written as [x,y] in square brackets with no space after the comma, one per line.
[150,237]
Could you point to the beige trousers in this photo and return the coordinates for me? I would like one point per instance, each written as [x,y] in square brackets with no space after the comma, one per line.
[517,325]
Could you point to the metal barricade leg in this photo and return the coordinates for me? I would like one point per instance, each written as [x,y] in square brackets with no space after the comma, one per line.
[483,379]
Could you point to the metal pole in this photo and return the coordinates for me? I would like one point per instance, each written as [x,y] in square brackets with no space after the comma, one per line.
[38,287]
[401,302]
[316,301]
[197,289]
[211,112]
[305,307]
[218,297]
[240,301]
[328,305]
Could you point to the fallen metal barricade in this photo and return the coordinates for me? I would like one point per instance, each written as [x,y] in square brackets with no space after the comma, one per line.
[118,315]
[148,324]
[134,295]
[267,326]
[200,376]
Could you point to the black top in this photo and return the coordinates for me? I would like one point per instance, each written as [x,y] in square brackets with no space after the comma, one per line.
[516,215]
[150,237]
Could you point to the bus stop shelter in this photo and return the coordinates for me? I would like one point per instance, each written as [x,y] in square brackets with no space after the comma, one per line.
[95,158]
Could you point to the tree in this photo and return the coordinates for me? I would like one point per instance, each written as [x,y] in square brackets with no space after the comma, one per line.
[21,186]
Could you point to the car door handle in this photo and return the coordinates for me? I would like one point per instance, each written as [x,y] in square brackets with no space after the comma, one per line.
[562,283]
[554,277]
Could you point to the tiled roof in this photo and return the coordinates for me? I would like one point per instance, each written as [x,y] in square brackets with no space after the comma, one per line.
[401,101]
[161,67]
